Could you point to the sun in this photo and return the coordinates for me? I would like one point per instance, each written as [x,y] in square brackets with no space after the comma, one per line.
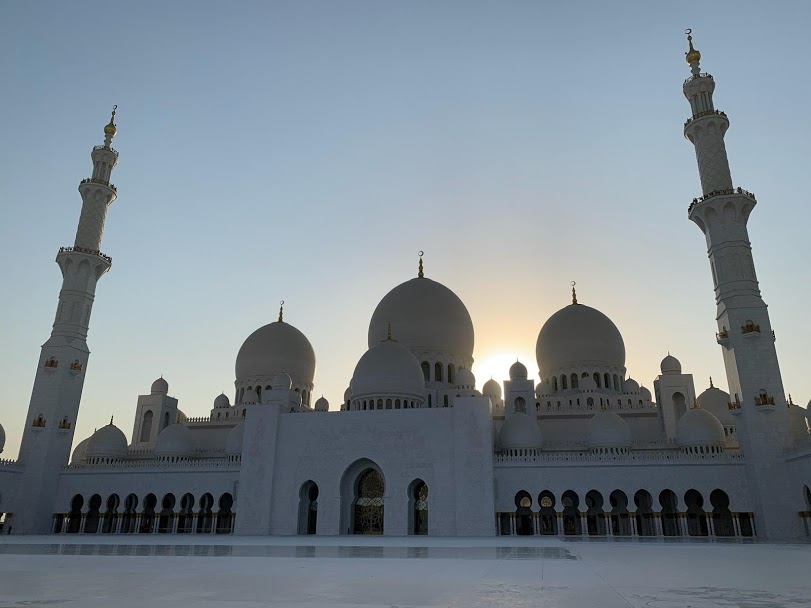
[496,365]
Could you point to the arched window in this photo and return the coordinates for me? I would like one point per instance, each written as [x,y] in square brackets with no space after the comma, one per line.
[75,514]
[146,426]
[444,401]
[259,394]
[523,514]
[308,508]
[388,404]
[165,420]
[679,405]
[111,515]
[148,514]
[130,514]
[721,515]
[225,517]
[93,516]
[426,371]
[548,516]
[596,378]
[575,381]
[438,372]
[555,384]
[451,373]
[645,519]
[571,514]
[595,516]
[205,516]
[380,404]
[520,405]
[418,511]
[563,382]
[620,520]
[185,517]
[607,381]
[696,518]
[166,519]
[616,382]
[670,513]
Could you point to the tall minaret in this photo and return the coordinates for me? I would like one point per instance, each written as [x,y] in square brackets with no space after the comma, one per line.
[744,330]
[58,383]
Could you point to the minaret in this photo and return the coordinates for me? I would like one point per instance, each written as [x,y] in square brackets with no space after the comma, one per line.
[59,379]
[744,330]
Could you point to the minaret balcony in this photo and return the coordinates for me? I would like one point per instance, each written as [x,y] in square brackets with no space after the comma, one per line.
[87,251]
[696,76]
[764,403]
[726,192]
[103,182]
[722,337]
[750,329]
[705,113]
[734,407]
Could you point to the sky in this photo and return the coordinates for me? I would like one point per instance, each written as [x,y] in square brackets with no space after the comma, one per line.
[307,151]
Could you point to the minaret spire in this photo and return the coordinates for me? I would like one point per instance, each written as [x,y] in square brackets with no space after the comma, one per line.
[750,359]
[420,273]
[281,311]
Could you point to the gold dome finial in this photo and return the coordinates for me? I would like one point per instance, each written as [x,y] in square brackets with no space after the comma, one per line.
[421,274]
[711,386]
[111,421]
[110,130]
[692,54]
[281,311]
[388,333]
[574,293]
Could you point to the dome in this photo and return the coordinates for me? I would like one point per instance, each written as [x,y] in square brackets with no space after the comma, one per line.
[281,382]
[630,386]
[221,401]
[518,371]
[425,316]
[796,421]
[465,378]
[2,438]
[79,452]
[577,334]
[347,394]
[233,442]
[160,387]
[388,368]
[645,394]
[716,402]
[174,440]
[670,365]
[274,348]
[520,431]
[107,442]
[492,389]
[321,405]
[698,427]
[250,396]
[607,429]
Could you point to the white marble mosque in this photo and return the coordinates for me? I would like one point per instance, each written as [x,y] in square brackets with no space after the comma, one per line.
[414,447]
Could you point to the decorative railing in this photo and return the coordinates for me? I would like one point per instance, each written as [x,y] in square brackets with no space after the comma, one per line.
[722,192]
[750,327]
[11,464]
[103,182]
[38,422]
[110,148]
[734,405]
[530,456]
[700,75]
[85,250]
[202,463]
[703,114]
[764,400]
[722,335]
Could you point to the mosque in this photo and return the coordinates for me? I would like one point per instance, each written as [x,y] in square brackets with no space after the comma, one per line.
[414,447]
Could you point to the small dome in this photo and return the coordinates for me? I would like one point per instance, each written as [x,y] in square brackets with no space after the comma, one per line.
[388,368]
[2,438]
[607,429]
[492,389]
[698,427]
[425,316]
[716,402]
[321,405]
[797,422]
[274,348]
[465,378]
[575,335]
[250,396]
[221,401]
[518,371]
[520,431]
[630,386]
[347,394]
[174,440]
[107,442]
[233,442]
[79,452]
[645,394]
[587,383]
[670,365]
[281,382]
[160,387]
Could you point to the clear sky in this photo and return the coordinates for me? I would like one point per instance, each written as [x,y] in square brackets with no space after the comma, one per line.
[306,151]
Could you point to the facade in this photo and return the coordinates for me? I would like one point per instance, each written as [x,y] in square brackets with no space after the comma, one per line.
[414,447]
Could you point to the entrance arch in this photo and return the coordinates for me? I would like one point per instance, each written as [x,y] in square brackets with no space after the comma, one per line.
[523,514]
[308,508]
[418,507]
[363,489]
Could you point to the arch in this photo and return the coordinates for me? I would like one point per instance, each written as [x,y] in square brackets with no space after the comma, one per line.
[670,513]
[75,514]
[225,515]
[388,404]
[308,508]
[523,514]
[91,520]
[205,517]
[165,420]
[130,514]
[722,522]
[418,508]
[166,519]
[438,372]
[111,514]
[426,371]
[548,516]
[146,426]
[574,381]
[616,382]
[696,518]
[186,515]
[645,524]
[429,400]
[595,516]
[451,373]
[363,487]
[148,514]
[554,384]
[519,405]
[571,516]
[596,377]
[564,384]
[444,401]
[679,405]
[620,519]
[259,394]
[607,380]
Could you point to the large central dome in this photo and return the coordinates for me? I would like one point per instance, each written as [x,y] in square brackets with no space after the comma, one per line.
[424,316]
[276,347]
[578,334]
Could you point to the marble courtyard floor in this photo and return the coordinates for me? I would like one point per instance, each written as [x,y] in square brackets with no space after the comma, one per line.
[338,572]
